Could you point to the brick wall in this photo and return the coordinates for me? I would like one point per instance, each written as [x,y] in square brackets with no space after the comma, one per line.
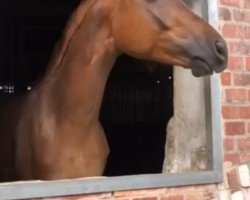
[235,27]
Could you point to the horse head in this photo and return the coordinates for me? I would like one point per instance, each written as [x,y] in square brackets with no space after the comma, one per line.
[167,31]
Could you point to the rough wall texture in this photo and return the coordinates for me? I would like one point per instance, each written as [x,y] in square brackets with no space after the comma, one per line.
[235,27]
[186,146]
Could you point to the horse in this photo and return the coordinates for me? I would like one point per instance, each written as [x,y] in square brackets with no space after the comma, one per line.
[56,126]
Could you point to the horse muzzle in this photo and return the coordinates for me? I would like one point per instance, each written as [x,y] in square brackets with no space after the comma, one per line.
[210,60]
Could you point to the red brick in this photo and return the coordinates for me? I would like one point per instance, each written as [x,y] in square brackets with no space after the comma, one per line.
[247,4]
[232,158]
[235,128]
[193,197]
[246,16]
[232,31]
[248,127]
[238,15]
[241,79]
[146,198]
[238,47]
[236,112]
[247,32]
[230,112]
[244,144]
[173,197]
[241,15]
[232,180]
[245,112]
[209,195]
[248,63]
[226,79]
[67,198]
[234,3]
[225,14]
[140,193]
[248,95]
[238,95]
[235,63]
[228,144]
[245,157]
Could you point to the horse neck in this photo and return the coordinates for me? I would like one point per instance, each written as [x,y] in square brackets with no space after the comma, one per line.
[76,88]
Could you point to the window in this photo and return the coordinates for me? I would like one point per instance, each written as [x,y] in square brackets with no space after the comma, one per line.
[181,162]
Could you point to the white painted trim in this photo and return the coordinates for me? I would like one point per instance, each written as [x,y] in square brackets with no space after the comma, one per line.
[213,13]
[215,91]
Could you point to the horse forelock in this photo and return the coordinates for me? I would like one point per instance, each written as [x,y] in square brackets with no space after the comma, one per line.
[62,45]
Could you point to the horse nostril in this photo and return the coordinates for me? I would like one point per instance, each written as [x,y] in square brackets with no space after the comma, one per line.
[221,53]
[221,50]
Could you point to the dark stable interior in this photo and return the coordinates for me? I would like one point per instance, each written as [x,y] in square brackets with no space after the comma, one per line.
[138,100]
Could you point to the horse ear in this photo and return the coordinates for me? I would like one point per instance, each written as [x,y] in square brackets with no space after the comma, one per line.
[158,11]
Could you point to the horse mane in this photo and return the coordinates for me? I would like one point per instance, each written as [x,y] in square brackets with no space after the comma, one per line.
[62,45]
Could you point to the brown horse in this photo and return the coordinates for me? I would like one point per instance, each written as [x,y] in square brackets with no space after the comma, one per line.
[57,131]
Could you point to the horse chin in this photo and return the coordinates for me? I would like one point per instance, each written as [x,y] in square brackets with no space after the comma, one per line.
[200,68]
